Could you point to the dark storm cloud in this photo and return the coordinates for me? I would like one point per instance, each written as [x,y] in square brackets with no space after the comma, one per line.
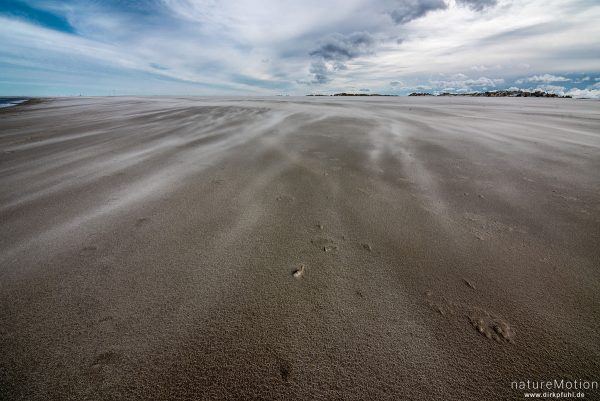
[335,50]
[320,72]
[477,5]
[408,10]
[345,47]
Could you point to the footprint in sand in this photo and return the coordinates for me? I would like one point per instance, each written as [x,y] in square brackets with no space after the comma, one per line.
[106,324]
[106,358]
[325,244]
[284,370]
[102,362]
[484,228]
[484,322]
[142,221]
[285,198]
[88,250]
[367,247]
[491,326]
[566,197]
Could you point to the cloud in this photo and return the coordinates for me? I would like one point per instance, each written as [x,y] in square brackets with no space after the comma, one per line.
[559,90]
[463,83]
[582,79]
[477,5]
[320,72]
[524,31]
[408,10]
[592,92]
[584,93]
[345,47]
[546,78]
[335,50]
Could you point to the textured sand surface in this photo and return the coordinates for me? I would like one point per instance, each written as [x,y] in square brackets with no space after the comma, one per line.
[297,248]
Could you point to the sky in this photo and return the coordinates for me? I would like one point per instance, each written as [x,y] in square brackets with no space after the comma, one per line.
[285,47]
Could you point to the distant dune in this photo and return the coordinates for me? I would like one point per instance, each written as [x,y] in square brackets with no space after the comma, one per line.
[434,248]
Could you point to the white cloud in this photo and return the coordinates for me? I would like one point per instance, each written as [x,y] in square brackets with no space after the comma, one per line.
[547,78]
[584,93]
[462,82]
[589,92]
[559,90]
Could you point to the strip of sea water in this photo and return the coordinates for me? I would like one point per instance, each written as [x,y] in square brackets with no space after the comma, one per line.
[11,101]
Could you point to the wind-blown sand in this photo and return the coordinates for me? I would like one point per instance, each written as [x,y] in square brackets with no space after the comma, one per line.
[298,248]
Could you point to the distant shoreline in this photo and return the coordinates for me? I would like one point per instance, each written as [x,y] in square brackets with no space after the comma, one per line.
[501,93]
[353,94]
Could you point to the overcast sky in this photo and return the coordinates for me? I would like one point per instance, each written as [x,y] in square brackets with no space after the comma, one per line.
[269,47]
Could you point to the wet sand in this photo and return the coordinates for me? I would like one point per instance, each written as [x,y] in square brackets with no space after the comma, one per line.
[298,248]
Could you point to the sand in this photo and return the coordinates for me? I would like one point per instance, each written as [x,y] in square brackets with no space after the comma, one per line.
[298,248]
